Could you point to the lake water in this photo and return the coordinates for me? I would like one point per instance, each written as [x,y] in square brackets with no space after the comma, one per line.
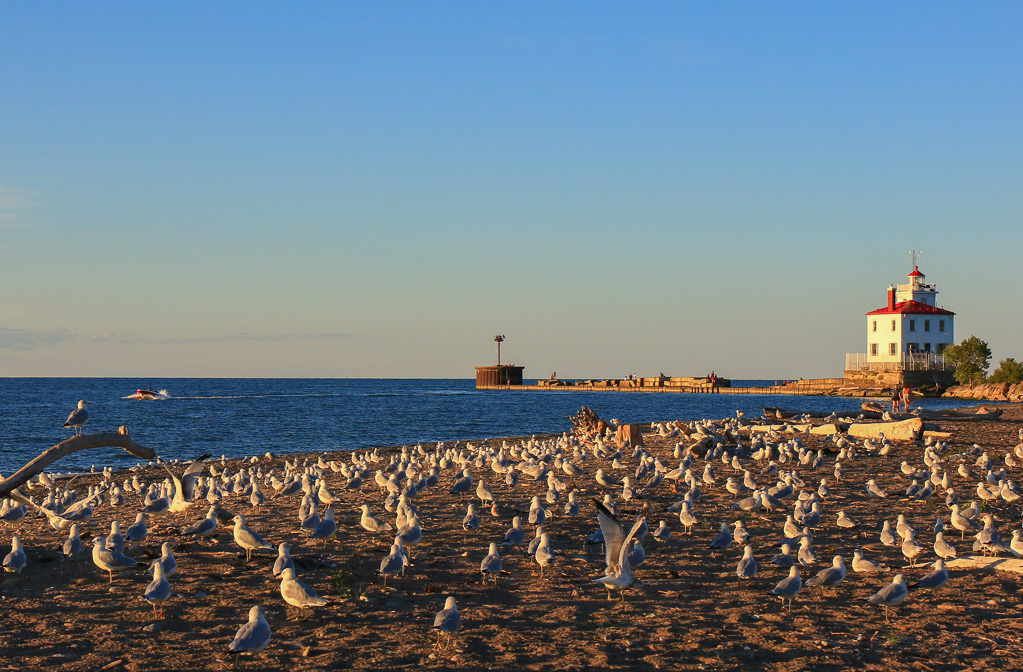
[237,417]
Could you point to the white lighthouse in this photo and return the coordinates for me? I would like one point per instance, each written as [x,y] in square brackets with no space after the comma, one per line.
[911,331]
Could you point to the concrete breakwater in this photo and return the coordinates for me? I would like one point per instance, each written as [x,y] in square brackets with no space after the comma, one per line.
[685,385]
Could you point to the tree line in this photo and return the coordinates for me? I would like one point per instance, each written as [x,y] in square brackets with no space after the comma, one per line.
[972,358]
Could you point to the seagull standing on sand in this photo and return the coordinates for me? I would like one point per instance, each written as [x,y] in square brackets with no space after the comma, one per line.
[447,621]
[788,587]
[252,637]
[159,589]
[829,576]
[73,545]
[747,567]
[247,539]
[78,417]
[298,594]
[934,579]
[284,560]
[891,595]
[15,560]
[393,564]
[110,561]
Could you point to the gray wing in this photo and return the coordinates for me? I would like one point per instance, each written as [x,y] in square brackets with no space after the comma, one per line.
[253,636]
[79,416]
[614,535]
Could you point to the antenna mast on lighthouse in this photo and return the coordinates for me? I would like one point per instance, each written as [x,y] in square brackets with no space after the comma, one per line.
[912,254]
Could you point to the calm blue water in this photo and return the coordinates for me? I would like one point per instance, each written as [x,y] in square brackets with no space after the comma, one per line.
[237,417]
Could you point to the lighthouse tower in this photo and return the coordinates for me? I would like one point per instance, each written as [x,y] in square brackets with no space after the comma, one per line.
[911,332]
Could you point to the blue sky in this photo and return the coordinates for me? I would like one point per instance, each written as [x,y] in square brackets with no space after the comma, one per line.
[343,189]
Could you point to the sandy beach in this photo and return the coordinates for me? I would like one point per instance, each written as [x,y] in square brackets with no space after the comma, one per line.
[686,611]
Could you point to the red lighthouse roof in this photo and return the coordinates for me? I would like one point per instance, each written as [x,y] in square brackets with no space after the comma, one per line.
[911,308]
[916,273]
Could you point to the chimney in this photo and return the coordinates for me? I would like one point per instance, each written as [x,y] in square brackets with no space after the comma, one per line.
[891,297]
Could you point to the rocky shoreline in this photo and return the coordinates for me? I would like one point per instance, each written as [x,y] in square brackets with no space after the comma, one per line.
[987,392]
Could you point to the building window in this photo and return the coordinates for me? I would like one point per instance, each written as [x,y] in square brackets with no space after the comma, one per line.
[893,348]
[941,348]
[927,347]
[893,325]
[874,327]
[941,325]
[927,325]
[912,325]
[873,349]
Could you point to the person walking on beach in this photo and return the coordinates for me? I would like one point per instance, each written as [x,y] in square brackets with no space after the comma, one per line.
[906,394]
[896,394]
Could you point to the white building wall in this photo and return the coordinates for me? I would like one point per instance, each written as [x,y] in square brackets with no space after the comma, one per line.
[884,331]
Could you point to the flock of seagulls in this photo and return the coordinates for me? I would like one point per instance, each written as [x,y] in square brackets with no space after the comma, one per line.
[768,501]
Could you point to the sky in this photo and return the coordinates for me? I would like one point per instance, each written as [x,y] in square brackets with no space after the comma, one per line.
[322,189]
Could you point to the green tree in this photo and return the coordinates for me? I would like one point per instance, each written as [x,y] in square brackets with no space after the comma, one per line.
[1008,371]
[971,359]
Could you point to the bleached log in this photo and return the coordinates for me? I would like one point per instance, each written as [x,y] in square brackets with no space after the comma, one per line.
[904,430]
[119,439]
[978,562]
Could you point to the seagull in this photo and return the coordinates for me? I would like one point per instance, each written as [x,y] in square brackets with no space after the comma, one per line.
[110,561]
[789,586]
[723,540]
[784,558]
[864,566]
[298,594]
[204,527]
[393,564]
[747,567]
[543,555]
[170,565]
[327,527]
[891,595]
[875,490]
[845,521]
[159,590]
[73,545]
[447,621]
[78,417]
[887,536]
[284,560]
[252,637]
[247,539]
[491,564]
[934,579]
[137,531]
[371,524]
[618,574]
[911,549]
[15,561]
[942,548]
[830,576]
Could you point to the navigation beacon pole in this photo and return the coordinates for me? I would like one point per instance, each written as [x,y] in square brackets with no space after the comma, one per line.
[499,338]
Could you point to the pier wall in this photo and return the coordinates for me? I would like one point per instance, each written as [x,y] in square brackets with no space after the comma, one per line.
[813,387]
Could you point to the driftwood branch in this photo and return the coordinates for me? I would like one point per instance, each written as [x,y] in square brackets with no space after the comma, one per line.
[119,439]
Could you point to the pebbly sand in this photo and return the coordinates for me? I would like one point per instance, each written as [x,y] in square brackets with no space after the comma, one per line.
[687,613]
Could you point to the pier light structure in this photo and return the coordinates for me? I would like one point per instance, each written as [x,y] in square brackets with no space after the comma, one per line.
[499,339]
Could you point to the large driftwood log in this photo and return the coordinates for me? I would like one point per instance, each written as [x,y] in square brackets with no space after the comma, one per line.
[905,430]
[119,439]
[871,410]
